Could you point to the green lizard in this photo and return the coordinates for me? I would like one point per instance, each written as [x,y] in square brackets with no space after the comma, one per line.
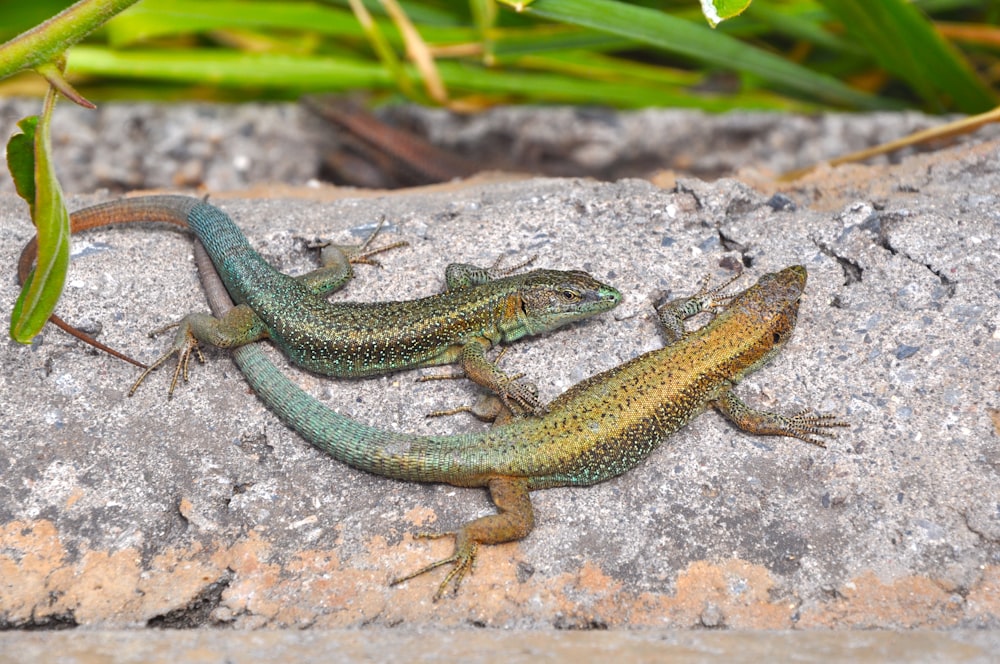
[351,340]
[598,429]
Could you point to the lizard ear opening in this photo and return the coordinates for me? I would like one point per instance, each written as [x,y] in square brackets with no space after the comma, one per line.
[515,307]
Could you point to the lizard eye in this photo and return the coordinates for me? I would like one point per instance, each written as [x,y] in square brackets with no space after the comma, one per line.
[776,338]
[569,295]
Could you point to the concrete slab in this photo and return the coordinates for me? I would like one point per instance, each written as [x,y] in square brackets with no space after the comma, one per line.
[205,511]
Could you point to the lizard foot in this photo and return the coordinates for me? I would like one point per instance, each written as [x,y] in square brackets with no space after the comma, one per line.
[360,254]
[511,400]
[806,426]
[463,559]
[803,425]
[487,407]
[671,314]
[497,272]
[183,347]
[464,275]
[514,521]
[521,398]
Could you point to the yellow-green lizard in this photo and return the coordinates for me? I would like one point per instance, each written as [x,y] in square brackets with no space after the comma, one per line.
[352,339]
[598,429]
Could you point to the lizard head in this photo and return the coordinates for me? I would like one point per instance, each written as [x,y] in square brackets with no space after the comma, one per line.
[768,310]
[547,299]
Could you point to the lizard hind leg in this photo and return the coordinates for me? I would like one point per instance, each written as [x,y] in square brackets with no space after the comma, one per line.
[513,522]
[183,347]
[239,326]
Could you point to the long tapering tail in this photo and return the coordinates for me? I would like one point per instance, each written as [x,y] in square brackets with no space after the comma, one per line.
[395,455]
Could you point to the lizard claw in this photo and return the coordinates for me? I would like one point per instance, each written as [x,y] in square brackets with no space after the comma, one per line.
[806,426]
[185,344]
[463,558]
[521,398]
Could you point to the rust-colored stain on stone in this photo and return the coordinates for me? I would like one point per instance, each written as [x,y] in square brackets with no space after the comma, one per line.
[40,579]
[868,602]
[995,418]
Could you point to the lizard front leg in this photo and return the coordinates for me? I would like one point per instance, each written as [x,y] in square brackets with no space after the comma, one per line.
[519,397]
[337,260]
[671,314]
[465,275]
[514,521]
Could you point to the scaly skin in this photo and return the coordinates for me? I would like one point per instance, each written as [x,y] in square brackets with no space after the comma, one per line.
[598,429]
[351,340]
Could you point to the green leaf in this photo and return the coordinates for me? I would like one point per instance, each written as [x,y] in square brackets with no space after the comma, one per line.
[21,160]
[717,11]
[38,298]
[702,44]
[903,41]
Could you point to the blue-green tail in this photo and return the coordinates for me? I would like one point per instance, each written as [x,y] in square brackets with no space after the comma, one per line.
[399,456]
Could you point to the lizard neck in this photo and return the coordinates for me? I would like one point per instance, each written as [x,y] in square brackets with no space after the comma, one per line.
[513,321]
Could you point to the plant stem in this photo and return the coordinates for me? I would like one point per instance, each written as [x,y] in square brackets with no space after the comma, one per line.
[47,41]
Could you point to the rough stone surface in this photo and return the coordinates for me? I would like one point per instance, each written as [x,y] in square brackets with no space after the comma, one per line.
[122,147]
[213,147]
[205,511]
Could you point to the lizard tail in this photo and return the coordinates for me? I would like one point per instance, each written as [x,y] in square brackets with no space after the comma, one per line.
[399,456]
[171,209]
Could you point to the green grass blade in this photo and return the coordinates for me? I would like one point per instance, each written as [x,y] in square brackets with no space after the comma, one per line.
[21,16]
[225,68]
[904,42]
[162,18]
[549,37]
[801,24]
[588,65]
[152,19]
[552,87]
[305,74]
[701,44]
